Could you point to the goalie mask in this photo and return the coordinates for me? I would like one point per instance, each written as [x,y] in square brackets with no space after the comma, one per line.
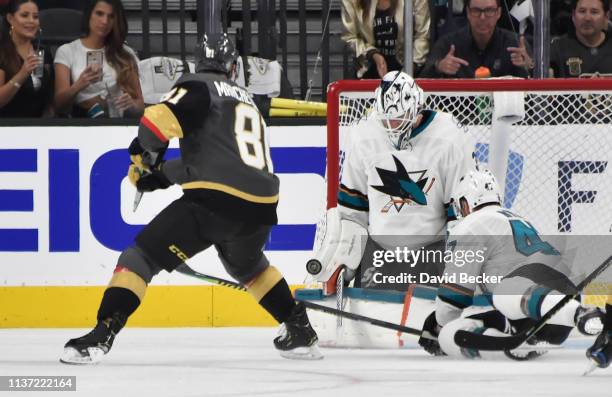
[476,188]
[399,100]
[216,53]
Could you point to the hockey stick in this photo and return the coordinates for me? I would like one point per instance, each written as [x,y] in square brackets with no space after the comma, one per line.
[151,157]
[359,317]
[137,197]
[183,268]
[188,271]
[472,340]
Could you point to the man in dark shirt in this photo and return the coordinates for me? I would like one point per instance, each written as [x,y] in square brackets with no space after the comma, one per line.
[588,49]
[481,44]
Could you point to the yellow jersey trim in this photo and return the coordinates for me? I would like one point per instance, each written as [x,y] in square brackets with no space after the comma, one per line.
[231,191]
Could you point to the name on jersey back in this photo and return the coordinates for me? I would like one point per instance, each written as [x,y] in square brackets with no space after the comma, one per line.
[238,93]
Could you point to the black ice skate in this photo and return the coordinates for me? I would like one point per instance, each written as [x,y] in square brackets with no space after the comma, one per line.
[297,339]
[90,348]
[601,352]
[589,320]
[533,348]
[530,350]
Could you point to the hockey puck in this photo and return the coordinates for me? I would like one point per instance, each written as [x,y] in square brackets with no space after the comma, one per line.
[314,267]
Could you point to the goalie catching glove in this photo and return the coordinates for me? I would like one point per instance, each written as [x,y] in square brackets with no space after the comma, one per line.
[342,243]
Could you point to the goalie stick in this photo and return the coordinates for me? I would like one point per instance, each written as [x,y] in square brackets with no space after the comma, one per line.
[188,271]
[472,340]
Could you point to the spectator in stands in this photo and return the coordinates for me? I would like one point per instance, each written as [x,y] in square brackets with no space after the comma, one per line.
[560,17]
[22,92]
[98,73]
[449,16]
[587,49]
[375,30]
[481,46]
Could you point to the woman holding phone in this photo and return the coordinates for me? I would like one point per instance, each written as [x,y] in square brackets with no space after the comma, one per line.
[85,68]
[26,75]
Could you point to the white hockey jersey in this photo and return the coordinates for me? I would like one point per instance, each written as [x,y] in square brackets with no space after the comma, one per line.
[484,248]
[505,241]
[404,192]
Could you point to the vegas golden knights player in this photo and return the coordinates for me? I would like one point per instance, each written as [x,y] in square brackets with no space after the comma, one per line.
[229,200]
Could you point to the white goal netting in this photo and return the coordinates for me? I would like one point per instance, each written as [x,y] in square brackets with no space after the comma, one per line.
[555,160]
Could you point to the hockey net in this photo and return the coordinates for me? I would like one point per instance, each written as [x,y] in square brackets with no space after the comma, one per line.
[555,159]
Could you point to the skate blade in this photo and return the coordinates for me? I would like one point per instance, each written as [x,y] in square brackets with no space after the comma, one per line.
[303,353]
[73,357]
[592,367]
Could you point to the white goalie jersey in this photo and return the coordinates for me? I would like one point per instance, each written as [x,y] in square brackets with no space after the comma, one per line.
[404,192]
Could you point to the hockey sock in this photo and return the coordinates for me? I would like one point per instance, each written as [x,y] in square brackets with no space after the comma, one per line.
[123,296]
[119,301]
[270,289]
[539,300]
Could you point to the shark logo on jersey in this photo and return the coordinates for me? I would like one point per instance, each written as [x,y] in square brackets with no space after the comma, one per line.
[402,188]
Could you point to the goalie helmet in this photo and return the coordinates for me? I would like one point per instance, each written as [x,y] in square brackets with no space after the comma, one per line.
[399,100]
[476,188]
[217,53]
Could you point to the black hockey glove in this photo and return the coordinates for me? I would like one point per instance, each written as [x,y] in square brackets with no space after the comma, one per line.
[145,171]
[148,180]
[135,147]
[145,159]
[429,337]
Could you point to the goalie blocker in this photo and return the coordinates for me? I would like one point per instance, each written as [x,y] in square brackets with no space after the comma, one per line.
[342,244]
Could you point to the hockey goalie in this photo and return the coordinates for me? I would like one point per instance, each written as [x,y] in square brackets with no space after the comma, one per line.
[401,166]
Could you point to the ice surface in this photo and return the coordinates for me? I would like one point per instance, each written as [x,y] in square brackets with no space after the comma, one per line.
[241,361]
